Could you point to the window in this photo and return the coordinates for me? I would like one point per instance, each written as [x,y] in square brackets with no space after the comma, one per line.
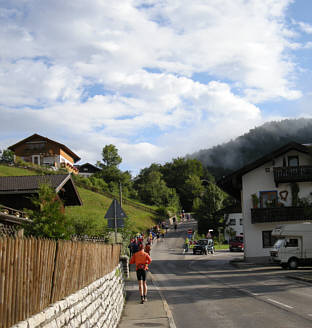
[293,161]
[232,222]
[267,239]
[268,199]
[292,243]
[240,221]
[35,145]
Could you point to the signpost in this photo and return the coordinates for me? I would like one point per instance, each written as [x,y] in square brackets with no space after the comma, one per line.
[115,216]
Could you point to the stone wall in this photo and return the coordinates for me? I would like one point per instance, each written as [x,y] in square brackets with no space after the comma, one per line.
[98,305]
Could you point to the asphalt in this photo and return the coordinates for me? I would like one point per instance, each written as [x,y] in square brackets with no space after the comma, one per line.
[155,312]
[303,274]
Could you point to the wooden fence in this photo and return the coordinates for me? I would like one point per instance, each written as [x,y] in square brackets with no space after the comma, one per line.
[37,272]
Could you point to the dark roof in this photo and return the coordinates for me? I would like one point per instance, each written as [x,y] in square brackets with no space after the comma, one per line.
[67,150]
[89,166]
[230,209]
[61,183]
[232,183]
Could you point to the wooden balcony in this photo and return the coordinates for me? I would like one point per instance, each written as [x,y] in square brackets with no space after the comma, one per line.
[292,174]
[280,214]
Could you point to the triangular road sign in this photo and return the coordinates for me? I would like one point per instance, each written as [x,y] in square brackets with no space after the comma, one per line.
[115,211]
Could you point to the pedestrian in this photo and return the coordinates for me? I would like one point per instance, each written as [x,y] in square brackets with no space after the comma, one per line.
[147,248]
[162,233]
[187,243]
[141,259]
[130,246]
[175,227]
[135,246]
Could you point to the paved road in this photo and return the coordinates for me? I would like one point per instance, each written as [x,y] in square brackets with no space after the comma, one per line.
[206,290]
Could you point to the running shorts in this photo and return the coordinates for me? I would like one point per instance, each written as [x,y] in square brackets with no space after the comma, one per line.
[141,274]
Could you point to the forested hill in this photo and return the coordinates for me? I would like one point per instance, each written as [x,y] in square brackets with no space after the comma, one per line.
[225,158]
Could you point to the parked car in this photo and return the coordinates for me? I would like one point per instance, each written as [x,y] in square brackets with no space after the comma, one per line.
[204,246]
[237,244]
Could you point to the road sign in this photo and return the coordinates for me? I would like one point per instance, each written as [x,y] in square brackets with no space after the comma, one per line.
[189,231]
[115,217]
[111,223]
[115,211]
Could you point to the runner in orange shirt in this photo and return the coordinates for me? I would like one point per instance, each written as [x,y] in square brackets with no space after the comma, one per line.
[141,260]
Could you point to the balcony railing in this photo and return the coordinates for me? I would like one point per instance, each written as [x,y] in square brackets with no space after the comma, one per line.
[280,214]
[292,174]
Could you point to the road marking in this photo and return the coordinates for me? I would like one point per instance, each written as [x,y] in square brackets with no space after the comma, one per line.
[254,294]
[279,303]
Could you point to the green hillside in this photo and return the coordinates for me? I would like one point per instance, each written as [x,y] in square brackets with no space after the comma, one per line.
[6,171]
[94,207]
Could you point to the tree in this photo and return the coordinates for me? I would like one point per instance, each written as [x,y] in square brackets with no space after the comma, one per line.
[154,190]
[180,174]
[7,156]
[205,213]
[110,156]
[49,220]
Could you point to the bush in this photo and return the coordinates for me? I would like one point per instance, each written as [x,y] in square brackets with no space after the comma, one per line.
[48,218]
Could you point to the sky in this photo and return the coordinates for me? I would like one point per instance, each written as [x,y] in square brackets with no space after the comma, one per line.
[158,79]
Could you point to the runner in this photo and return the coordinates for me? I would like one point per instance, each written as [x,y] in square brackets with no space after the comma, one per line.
[147,248]
[141,260]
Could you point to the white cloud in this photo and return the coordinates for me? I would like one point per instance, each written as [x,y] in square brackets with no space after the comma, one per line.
[97,72]
[307,28]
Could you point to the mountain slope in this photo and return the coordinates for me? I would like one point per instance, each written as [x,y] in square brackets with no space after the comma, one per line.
[230,156]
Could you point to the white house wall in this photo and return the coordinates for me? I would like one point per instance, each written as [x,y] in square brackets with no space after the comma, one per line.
[260,180]
[238,228]
[61,159]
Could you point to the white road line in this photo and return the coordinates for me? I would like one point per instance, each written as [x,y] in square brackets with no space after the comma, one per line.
[279,303]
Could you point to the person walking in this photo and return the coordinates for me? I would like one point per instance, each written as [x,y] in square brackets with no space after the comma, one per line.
[141,259]
[147,248]
[186,245]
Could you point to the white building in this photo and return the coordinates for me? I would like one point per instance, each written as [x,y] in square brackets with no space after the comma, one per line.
[274,190]
[234,225]
[233,221]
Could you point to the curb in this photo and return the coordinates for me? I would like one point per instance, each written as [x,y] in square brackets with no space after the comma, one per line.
[305,279]
[165,304]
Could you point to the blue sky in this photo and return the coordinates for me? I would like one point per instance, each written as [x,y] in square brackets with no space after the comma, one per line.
[157,78]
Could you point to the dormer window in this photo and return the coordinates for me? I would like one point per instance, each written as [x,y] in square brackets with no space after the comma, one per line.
[293,161]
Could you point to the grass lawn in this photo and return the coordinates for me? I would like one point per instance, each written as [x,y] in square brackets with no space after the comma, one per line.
[95,207]
[6,171]
[221,247]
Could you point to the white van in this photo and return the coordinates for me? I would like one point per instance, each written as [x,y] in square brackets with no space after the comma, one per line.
[294,245]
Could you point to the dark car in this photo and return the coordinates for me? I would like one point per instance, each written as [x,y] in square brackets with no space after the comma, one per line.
[204,246]
[237,244]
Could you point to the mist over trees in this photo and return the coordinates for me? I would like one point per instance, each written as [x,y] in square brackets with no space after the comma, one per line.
[222,159]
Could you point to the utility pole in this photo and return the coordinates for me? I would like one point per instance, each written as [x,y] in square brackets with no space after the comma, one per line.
[120,193]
